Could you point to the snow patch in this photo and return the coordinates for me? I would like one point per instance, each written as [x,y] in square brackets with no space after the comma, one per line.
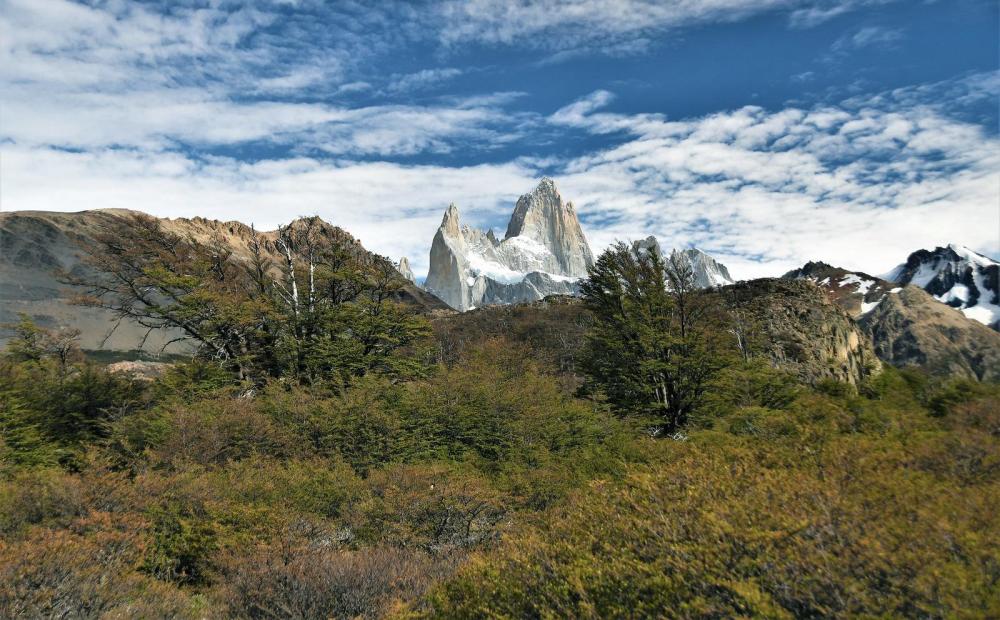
[863,285]
[985,313]
[959,292]
[867,307]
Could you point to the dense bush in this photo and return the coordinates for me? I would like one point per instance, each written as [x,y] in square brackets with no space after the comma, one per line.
[486,489]
[857,527]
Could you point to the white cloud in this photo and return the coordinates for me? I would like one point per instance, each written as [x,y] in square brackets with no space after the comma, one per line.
[421,79]
[616,28]
[860,185]
[394,209]
[101,103]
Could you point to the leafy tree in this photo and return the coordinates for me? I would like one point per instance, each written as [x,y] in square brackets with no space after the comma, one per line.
[51,398]
[305,303]
[646,351]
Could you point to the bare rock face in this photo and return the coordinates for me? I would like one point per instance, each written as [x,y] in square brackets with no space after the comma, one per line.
[542,216]
[404,269]
[908,326]
[708,272]
[543,253]
[808,334]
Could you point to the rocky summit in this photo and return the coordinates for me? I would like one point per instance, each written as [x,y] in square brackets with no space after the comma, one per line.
[544,252]
[907,325]
[958,277]
[707,271]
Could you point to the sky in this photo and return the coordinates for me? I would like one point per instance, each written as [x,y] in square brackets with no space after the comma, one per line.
[765,132]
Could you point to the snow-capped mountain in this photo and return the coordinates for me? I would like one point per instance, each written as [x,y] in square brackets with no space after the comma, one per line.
[404,269]
[957,276]
[708,272]
[907,326]
[544,252]
[856,292]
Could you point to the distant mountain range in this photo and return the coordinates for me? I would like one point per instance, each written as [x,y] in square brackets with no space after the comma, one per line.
[931,311]
[544,252]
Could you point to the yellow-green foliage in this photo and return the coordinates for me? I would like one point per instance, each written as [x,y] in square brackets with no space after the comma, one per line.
[831,523]
[193,497]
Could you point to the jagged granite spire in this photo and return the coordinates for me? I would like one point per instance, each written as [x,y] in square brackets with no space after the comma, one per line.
[708,272]
[404,269]
[544,217]
[544,252]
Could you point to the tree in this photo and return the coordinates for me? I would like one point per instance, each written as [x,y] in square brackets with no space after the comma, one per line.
[51,398]
[304,303]
[646,351]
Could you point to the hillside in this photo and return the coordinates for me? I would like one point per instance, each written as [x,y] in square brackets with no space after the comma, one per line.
[907,326]
[36,246]
[799,330]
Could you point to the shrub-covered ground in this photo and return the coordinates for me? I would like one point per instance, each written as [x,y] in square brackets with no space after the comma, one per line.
[487,489]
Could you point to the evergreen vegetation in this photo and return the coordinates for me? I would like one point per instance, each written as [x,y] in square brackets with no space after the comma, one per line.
[344,461]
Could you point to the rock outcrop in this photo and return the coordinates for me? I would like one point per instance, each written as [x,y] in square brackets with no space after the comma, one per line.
[805,332]
[544,252]
[404,269]
[907,326]
[958,277]
[854,291]
[708,272]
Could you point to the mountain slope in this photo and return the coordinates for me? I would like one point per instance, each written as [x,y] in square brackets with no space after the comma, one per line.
[36,246]
[957,276]
[801,331]
[544,252]
[907,326]
[854,291]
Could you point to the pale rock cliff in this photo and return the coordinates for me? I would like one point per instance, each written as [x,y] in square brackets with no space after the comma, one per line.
[544,252]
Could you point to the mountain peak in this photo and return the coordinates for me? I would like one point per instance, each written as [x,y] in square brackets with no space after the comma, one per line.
[708,272]
[957,276]
[450,222]
[543,252]
[404,269]
[545,218]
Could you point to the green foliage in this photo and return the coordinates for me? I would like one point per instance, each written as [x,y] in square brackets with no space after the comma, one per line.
[366,483]
[957,392]
[22,442]
[735,530]
[307,305]
[646,351]
[183,539]
[753,383]
[52,402]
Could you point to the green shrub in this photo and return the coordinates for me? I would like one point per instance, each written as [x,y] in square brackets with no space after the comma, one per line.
[183,541]
[745,532]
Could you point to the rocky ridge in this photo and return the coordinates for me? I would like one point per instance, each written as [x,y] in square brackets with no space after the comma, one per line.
[35,246]
[908,326]
[543,252]
[958,277]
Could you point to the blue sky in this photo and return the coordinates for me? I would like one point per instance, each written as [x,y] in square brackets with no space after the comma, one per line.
[766,132]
